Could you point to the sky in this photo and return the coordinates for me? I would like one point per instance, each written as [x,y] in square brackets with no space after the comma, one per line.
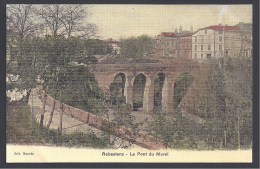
[122,21]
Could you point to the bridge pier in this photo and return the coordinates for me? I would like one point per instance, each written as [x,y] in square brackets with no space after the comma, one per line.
[148,100]
[128,90]
[168,95]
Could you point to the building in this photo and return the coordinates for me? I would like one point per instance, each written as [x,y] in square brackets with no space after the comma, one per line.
[246,39]
[113,46]
[167,44]
[174,45]
[184,45]
[219,41]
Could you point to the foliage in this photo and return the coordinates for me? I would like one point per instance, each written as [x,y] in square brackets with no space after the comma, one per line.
[95,47]
[116,95]
[182,83]
[88,60]
[223,98]
[136,48]
[177,132]
[229,107]
[23,129]
[121,117]
[81,90]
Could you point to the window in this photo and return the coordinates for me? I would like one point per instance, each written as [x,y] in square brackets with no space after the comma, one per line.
[226,53]
[202,38]
[220,38]
[209,38]
[201,47]
[220,47]
[195,38]
[206,31]
[195,55]
[195,47]
[209,46]
[201,57]
[246,54]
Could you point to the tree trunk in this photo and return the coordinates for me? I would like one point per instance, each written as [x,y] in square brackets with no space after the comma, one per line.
[61,113]
[32,103]
[238,131]
[43,109]
[225,135]
[51,114]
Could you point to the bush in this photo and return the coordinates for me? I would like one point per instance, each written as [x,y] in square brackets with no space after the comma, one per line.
[22,129]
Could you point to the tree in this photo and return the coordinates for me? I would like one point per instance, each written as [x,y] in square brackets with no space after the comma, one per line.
[136,48]
[222,96]
[68,20]
[239,100]
[52,16]
[20,22]
[224,101]
[182,83]
[74,22]
[79,89]
[50,56]
[74,15]
[120,116]
[20,25]
[177,132]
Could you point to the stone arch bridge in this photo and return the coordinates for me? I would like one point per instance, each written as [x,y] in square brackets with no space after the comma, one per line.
[106,73]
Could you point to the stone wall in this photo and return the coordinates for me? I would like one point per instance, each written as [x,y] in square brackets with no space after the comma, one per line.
[128,134]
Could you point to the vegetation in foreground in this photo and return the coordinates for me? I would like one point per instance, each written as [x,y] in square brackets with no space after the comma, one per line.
[223,99]
[22,129]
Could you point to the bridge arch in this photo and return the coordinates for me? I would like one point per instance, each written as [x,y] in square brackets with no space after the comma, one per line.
[117,87]
[139,83]
[182,83]
[159,79]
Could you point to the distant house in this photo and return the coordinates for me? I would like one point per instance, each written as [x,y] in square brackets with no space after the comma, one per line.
[167,44]
[246,30]
[175,45]
[113,46]
[219,41]
[184,45]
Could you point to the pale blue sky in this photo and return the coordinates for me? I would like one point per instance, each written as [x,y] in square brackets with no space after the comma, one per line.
[117,21]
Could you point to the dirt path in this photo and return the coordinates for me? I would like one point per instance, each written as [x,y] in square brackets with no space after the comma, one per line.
[69,124]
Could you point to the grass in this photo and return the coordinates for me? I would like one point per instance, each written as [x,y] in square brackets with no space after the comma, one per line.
[21,128]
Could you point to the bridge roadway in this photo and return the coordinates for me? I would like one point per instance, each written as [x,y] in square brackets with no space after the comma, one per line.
[106,73]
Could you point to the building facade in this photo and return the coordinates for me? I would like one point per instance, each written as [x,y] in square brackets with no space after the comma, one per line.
[174,45]
[238,43]
[219,41]
[206,43]
[185,45]
[167,45]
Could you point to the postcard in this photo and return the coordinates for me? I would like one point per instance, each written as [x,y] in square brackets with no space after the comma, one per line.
[129,83]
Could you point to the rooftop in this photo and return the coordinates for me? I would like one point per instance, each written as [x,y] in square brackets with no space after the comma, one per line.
[223,28]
